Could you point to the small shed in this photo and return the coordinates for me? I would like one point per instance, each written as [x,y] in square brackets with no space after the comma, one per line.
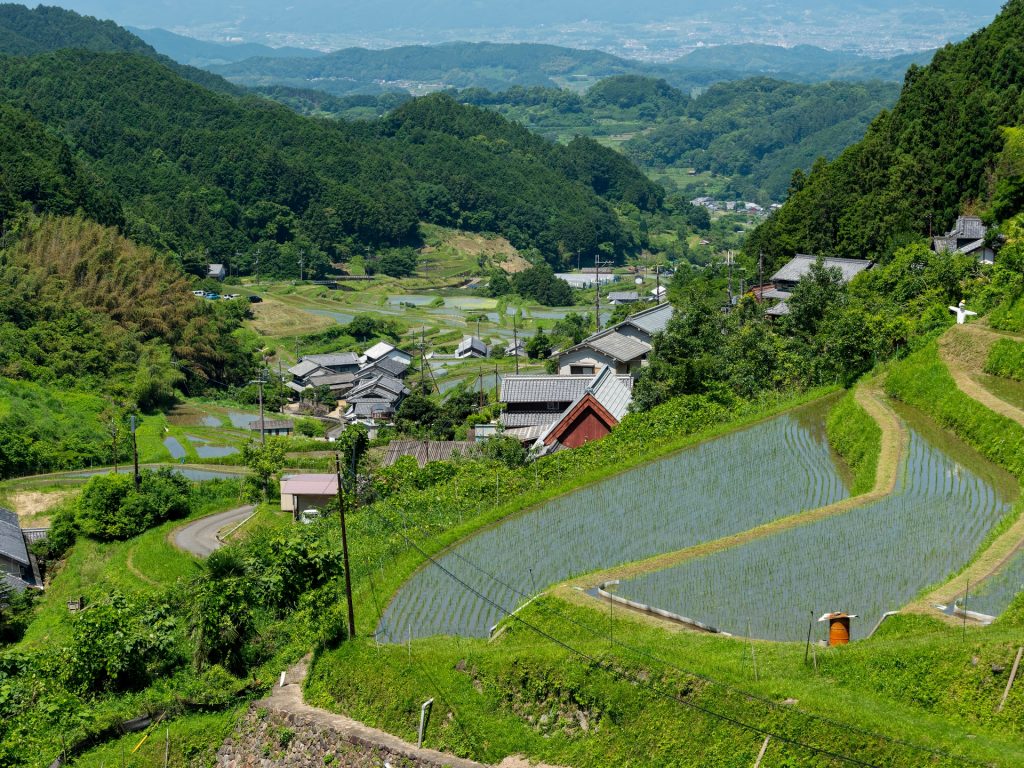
[216,271]
[278,427]
[299,492]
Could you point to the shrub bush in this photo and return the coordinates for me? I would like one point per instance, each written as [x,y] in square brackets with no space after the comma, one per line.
[111,508]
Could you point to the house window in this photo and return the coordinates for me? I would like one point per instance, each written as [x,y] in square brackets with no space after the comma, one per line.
[554,406]
[581,370]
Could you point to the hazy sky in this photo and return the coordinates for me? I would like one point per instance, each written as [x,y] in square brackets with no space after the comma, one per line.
[253,18]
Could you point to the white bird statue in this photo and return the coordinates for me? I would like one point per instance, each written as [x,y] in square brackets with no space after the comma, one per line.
[961,312]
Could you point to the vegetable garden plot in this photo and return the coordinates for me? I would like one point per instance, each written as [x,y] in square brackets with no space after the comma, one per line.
[867,561]
[724,486]
[994,594]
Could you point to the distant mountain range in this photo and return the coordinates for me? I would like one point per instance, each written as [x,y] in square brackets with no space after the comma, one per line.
[202,53]
[497,66]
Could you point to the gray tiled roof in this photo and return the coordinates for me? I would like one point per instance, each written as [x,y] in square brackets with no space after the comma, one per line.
[389,365]
[18,585]
[618,346]
[12,543]
[775,293]
[968,227]
[426,451]
[543,389]
[800,265]
[971,247]
[651,320]
[383,387]
[331,379]
[613,392]
[269,424]
[780,309]
[303,368]
[335,359]
[472,344]
[623,296]
[528,418]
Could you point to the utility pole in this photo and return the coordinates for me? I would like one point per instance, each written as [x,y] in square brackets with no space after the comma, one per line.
[515,341]
[135,454]
[496,394]
[344,543]
[760,270]
[260,382]
[302,262]
[481,386]
[597,290]
[657,279]
[729,260]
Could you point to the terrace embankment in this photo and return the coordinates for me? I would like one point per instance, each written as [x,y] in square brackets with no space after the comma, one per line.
[964,350]
[282,730]
[893,445]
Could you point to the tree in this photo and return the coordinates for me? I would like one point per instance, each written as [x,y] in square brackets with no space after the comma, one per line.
[538,347]
[506,449]
[417,414]
[265,462]
[820,290]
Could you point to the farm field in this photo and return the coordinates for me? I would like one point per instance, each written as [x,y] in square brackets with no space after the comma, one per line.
[870,560]
[700,494]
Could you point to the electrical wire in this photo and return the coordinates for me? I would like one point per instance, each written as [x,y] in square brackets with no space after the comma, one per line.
[636,680]
[728,686]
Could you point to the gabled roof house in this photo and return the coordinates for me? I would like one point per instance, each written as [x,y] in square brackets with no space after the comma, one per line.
[623,347]
[967,237]
[471,346]
[15,564]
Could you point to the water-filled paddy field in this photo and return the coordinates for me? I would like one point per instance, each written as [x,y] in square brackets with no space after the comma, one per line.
[867,561]
[724,486]
[994,595]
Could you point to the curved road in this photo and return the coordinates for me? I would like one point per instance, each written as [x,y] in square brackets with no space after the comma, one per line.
[200,537]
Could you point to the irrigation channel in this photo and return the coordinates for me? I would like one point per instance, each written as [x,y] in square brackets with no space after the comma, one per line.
[724,486]
[872,559]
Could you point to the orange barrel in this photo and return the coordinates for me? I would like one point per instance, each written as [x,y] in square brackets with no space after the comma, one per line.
[838,629]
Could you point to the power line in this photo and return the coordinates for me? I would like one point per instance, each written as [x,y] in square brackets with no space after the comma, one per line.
[727,686]
[636,680]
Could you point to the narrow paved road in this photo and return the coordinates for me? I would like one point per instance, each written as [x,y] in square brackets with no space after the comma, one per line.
[200,537]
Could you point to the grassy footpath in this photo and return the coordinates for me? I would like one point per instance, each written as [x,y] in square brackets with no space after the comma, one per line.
[879,451]
[626,698]
[858,439]
[923,381]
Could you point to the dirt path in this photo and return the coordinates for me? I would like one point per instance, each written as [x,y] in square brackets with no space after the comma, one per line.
[130,564]
[964,349]
[893,444]
[287,700]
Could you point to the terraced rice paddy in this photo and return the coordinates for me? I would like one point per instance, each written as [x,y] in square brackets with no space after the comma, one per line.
[703,493]
[866,561]
[994,594]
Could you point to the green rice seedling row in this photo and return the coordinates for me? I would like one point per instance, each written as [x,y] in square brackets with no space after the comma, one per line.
[867,561]
[994,595]
[712,490]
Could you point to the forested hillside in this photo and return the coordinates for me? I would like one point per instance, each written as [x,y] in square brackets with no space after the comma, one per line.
[24,32]
[198,170]
[937,153]
[751,134]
